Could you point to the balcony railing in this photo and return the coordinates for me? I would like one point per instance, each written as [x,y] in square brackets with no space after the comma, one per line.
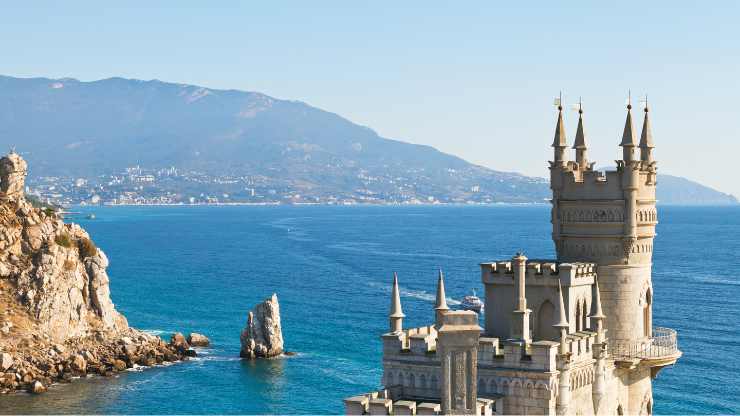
[663,344]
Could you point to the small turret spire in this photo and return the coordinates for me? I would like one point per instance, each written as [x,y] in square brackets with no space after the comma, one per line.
[562,323]
[580,142]
[559,141]
[597,315]
[628,136]
[396,313]
[596,311]
[440,305]
[646,138]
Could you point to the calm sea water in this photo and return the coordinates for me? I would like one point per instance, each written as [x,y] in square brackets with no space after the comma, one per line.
[202,268]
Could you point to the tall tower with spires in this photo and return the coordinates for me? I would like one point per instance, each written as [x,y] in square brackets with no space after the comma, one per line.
[570,335]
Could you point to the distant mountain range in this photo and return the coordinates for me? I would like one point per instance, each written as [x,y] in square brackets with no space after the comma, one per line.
[65,127]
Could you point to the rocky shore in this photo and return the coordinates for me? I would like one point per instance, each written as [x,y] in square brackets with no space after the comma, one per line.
[57,320]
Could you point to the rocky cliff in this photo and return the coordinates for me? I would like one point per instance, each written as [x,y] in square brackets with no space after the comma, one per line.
[57,319]
[262,337]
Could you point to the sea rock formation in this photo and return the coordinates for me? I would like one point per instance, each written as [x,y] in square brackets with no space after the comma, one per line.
[57,320]
[198,340]
[262,337]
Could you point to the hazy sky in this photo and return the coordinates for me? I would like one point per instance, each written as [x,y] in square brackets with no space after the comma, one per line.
[473,79]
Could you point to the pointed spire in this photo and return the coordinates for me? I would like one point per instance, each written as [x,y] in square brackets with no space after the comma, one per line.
[396,310]
[646,138]
[596,311]
[563,322]
[559,140]
[440,306]
[580,142]
[441,303]
[396,315]
[628,136]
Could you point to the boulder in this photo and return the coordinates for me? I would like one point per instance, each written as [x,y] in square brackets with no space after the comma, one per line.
[37,387]
[79,364]
[262,337]
[178,341]
[6,361]
[119,365]
[198,340]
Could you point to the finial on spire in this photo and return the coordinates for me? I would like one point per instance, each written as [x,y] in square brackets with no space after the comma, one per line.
[629,99]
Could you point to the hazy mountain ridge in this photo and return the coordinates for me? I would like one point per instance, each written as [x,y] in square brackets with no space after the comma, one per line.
[73,128]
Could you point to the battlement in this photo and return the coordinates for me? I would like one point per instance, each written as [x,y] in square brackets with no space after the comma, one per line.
[540,272]
[419,345]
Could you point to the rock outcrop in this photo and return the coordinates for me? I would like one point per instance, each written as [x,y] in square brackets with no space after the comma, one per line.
[198,340]
[57,320]
[262,337]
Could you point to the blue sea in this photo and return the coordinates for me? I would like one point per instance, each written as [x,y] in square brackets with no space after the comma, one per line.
[202,269]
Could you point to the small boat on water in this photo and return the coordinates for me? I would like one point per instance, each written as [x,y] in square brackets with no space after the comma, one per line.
[90,216]
[472,303]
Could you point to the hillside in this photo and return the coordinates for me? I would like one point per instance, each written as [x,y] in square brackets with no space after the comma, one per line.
[84,129]
[132,141]
[681,191]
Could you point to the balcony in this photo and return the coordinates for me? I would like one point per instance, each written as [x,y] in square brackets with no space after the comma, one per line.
[657,351]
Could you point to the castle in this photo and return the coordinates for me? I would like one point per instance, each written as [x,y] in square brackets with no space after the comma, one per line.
[572,335]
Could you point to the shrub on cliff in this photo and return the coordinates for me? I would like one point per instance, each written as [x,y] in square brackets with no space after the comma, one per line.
[63,240]
[87,248]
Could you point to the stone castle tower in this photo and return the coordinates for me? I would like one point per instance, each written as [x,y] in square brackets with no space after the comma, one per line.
[573,335]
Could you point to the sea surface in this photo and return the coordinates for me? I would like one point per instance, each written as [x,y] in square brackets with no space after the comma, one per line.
[202,268]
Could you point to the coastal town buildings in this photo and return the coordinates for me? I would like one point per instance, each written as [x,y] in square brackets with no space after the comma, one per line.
[571,335]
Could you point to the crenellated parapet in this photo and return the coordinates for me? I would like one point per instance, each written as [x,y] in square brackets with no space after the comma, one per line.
[540,273]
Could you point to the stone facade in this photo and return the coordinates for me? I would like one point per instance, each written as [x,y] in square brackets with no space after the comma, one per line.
[573,335]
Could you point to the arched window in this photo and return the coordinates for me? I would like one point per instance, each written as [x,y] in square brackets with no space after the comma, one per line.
[620,411]
[647,313]
[545,320]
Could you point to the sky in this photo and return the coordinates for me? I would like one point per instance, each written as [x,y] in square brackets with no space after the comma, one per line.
[474,79]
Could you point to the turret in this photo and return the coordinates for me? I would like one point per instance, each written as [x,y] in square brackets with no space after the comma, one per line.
[558,143]
[580,143]
[396,313]
[628,138]
[520,316]
[440,306]
[646,139]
